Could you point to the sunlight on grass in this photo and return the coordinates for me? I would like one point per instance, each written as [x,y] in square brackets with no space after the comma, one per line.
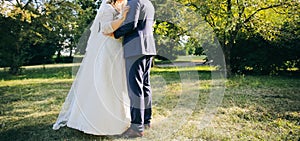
[32,81]
[52,66]
[192,58]
[174,69]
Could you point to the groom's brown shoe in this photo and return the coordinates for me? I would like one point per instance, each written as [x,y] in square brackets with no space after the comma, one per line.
[130,133]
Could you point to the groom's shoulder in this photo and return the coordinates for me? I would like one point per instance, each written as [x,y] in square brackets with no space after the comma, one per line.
[142,2]
[133,1]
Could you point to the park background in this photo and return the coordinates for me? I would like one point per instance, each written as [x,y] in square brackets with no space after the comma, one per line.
[39,41]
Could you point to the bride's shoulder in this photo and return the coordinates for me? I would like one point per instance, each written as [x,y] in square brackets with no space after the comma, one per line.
[108,6]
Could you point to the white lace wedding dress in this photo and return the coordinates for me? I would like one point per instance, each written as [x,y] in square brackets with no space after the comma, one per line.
[97,102]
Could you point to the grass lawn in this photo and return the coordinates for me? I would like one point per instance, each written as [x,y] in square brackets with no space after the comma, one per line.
[253,107]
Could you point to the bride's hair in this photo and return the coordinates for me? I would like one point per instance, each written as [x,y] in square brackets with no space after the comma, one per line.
[111,1]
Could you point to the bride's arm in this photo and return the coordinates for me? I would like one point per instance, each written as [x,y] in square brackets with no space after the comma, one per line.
[117,23]
[131,21]
[109,25]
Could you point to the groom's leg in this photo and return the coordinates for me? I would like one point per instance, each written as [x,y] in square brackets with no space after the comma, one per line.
[135,69]
[147,91]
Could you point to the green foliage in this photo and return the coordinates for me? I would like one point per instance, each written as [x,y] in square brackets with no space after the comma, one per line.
[289,38]
[34,31]
[167,41]
[231,18]
[255,53]
[13,43]
[194,47]
[167,31]
[66,21]
[177,30]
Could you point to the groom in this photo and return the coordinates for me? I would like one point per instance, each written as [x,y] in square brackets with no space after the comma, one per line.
[139,49]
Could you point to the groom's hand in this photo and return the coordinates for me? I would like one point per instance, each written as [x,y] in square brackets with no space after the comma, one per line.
[109,34]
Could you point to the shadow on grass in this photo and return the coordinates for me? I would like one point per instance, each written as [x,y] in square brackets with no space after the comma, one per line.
[43,131]
[28,112]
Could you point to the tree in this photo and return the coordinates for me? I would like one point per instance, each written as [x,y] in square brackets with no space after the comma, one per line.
[18,34]
[228,18]
[61,21]
[194,47]
[167,41]
[38,29]
[85,19]
[177,30]
[167,32]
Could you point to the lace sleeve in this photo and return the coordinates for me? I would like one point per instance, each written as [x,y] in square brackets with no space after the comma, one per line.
[106,18]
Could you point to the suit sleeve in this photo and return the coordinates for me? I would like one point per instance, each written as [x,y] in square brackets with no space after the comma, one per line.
[131,20]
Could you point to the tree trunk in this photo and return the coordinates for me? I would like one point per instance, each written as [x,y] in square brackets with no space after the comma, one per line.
[58,57]
[228,42]
[15,66]
[227,55]
[16,62]
[14,70]
[71,49]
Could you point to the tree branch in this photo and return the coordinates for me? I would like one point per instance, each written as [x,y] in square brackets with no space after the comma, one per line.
[38,4]
[261,9]
[18,3]
[241,8]
[212,21]
[28,2]
[193,5]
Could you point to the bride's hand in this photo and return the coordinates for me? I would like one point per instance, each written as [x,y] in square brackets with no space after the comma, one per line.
[109,34]
[124,12]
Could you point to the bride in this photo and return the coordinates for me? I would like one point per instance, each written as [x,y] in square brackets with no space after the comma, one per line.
[98,102]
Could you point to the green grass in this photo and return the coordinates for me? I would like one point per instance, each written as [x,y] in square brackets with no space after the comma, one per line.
[182,59]
[253,107]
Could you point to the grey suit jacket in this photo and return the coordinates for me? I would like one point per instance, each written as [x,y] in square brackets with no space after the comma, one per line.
[137,29]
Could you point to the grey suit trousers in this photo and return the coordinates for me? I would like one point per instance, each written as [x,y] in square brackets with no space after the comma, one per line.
[139,90]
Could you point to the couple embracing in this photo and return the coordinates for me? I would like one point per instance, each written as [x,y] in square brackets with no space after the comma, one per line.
[111,94]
